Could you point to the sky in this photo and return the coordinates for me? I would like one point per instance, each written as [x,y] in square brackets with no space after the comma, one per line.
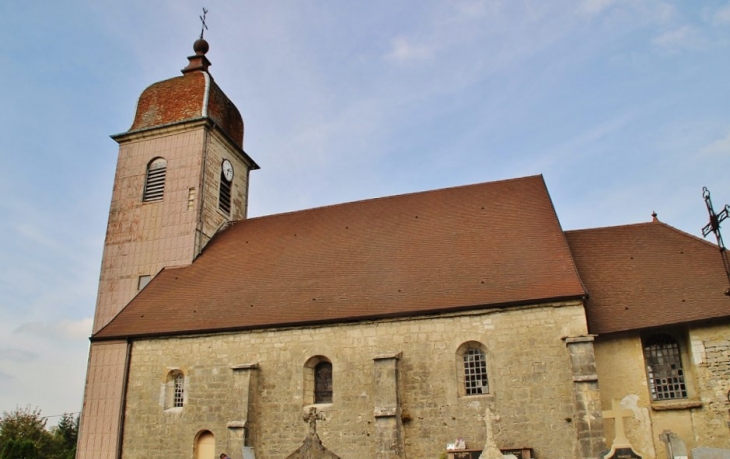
[622,105]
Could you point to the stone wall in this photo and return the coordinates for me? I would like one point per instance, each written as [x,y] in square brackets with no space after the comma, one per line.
[529,368]
[700,420]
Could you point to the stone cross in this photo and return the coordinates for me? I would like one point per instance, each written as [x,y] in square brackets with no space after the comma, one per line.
[618,415]
[311,418]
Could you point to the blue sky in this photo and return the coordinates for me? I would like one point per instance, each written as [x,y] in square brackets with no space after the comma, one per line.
[622,105]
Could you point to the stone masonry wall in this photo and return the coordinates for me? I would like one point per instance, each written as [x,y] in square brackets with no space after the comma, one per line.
[701,420]
[529,373]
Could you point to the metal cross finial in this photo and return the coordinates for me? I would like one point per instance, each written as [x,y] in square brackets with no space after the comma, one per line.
[205,26]
[714,227]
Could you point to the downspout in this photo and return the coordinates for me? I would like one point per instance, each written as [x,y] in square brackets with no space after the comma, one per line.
[123,401]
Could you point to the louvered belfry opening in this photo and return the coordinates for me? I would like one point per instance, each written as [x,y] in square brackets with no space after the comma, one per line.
[154,185]
[224,196]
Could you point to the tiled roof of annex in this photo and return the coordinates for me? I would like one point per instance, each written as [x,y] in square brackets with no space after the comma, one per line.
[648,275]
[478,246]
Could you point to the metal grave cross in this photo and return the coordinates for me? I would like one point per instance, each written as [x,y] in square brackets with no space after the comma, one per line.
[202,20]
[714,227]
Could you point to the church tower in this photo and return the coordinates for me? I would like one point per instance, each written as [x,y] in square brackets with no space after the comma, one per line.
[181,176]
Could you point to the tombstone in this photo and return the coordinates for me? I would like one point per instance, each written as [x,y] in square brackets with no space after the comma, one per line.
[312,447]
[621,447]
[710,453]
[676,449]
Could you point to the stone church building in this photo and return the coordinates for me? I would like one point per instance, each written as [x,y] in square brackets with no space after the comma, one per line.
[394,325]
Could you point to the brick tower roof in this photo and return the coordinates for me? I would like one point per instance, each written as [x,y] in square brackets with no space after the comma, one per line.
[193,96]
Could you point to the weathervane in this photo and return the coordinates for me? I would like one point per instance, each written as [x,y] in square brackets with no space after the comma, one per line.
[202,20]
[714,227]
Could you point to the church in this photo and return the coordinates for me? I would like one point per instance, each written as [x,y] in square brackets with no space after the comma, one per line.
[461,322]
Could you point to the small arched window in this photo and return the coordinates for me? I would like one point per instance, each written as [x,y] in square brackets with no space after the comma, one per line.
[179,391]
[318,386]
[323,383]
[664,367]
[472,368]
[154,185]
[175,390]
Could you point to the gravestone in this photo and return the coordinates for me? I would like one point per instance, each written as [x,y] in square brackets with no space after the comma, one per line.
[621,447]
[312,447]
[676,449]
[710,453]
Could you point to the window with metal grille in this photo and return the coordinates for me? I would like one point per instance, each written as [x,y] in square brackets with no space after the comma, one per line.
[475,372]
[179,391]
[224,195]
[323,383]
[664,367]
[154,185]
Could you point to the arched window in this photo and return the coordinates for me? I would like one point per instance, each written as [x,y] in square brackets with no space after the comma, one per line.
[318,380]
[178,391]
[154,185]
[472,368]
[323,383]
[175,390]
[664,367]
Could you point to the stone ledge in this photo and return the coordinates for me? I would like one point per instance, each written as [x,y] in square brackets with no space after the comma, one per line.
[236,425]
[579,339]
[585,378]
[676,405]
[391,355]
[245,366]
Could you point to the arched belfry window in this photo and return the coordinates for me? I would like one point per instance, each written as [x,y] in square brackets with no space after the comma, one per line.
[318,385]
[471,359]
[154,185]
[664,367]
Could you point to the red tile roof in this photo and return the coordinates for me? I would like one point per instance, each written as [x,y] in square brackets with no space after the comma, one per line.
[648,275]
[192,96]
[486,245]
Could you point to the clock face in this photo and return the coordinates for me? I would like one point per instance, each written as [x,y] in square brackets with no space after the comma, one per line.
[227,168]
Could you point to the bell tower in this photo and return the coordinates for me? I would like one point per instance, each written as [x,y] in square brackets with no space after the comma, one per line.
[182,175]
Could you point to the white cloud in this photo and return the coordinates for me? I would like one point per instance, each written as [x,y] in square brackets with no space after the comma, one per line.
[684,37]
[404,51]
[65,329]
[722,15]
[596,6]
[16,355]
[718,148]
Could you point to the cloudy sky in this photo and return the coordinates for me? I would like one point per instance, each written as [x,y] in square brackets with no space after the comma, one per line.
[622,105]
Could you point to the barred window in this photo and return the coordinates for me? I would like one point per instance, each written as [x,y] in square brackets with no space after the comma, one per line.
[174,389]
[179,391]
[154,185]
[664,367]
[475,372]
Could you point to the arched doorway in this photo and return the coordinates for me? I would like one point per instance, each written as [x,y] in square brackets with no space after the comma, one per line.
[205,445]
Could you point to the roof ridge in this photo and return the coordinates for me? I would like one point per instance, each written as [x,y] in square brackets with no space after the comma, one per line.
[396,196]
[656,222]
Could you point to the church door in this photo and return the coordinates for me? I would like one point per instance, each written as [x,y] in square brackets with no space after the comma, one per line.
[205,446]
